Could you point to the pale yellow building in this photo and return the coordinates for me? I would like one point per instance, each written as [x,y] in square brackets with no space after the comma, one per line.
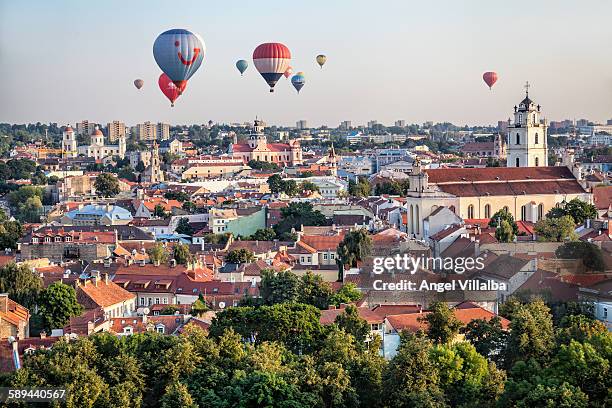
[115,130]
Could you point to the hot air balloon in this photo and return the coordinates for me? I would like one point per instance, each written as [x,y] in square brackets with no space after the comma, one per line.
[271,60]
[298,81]
[490,78]
[169,89]
[321,60]
[288,71]
[179,53]
[138,83]
[242,65]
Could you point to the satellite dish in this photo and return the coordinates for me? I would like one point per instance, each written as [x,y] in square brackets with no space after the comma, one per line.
[11,339]
[221,305]
[146,311]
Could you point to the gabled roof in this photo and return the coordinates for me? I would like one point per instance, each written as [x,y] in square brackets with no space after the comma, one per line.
[102,294]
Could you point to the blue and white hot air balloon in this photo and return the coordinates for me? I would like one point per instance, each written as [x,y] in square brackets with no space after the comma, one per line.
[242,65]
[179,53]
[298,81]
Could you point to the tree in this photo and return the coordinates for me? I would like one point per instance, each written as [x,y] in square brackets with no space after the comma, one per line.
[294,216]
[442,324]
[276,183]
[262,165]
[184,227]
[140,167]
[158,254]
[355,247]
[199,307]
[503,215]
[169,310]
[182,254]
[177,195]
[278,287]
[263,234]
[177,396]
[346,294]
[57,304]
[579,210]
[159,211]
[10,233]
[531,334]
[309,186]
[190,207]
[290,188]
[504,233]
[21,283]
[556,229]
[314,291]
[239,256]
[591,254]
[350,321]
[488,337]
[107,185]
[361,188]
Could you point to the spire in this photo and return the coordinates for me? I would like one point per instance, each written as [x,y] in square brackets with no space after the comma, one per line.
[527,86]
[332,152]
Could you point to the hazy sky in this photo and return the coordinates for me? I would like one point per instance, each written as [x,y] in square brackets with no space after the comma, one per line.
[63,61]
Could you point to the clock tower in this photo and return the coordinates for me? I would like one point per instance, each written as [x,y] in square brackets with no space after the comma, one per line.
[526,145]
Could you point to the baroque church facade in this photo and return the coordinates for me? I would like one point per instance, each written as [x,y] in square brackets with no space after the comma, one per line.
[528,188]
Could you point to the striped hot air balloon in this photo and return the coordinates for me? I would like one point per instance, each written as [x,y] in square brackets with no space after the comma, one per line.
[271,60]
[490,78]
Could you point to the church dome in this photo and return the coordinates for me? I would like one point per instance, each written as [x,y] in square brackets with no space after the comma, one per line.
[97,132]
[68,129]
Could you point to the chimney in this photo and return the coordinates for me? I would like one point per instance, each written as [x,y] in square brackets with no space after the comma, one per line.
[43,334]
[4,302]
[476,248]
[173,263]
[106,278]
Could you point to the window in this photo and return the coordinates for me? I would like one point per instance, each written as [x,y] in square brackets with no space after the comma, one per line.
[325,256]
[376,326]
[537,161]
[536,138]
[605,312]
[540,211]
[411,219]
[520,118]
[160,329]
[128,330]
[523,213]
[332,256]
[487,211]
[142,301]
[518,162]
[417,220]
[47,239]
[470,211]
[165,301]
[506,209]
[518,139]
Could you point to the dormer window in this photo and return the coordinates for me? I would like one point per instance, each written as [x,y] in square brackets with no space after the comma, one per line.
[34,240]
[58,239]
[68,238]
[47,239]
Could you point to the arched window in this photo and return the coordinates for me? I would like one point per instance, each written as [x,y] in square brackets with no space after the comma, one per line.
[520,118]
[537,161]
[417,221]
[487,211]
[470,211]
[524,213]
[540,211]
[518,162]
[506,209]
[537,138]
[518,138]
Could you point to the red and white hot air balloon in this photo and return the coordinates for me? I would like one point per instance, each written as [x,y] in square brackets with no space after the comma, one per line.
[271,60]
[490,78]
[169,89]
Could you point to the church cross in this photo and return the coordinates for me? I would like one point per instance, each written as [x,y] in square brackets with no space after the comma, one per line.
[527,86]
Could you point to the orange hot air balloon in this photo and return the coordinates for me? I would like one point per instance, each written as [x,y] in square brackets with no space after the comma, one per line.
[288,72]
[169,89]
[490,78]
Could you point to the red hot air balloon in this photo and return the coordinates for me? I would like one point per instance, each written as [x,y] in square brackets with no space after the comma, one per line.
[490,78]
[169,89]
[271,60]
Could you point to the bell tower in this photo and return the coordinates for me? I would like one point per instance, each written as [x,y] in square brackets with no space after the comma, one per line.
[526,145]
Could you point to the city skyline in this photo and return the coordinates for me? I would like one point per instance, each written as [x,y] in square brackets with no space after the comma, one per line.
[413,62]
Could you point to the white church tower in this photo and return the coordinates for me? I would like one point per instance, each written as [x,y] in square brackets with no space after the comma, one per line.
[69,143]
[526,145]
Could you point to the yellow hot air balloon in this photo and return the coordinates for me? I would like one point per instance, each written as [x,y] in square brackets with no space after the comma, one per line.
[321,60]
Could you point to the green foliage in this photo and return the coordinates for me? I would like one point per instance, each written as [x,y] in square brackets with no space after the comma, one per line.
[56,305]
[442,324]
[158,254]
[10,232]
[591,254]
[27,203]
[17,169]
[577,209]
[399,188]
[169,310]
[182,254]
[107,185]
[361,188]
[505,232]
[309,186]
[177,195]
[286,287]
[262,234]
[355,247]
[488,337]
[190,207]
[556,229]
[216,238]
[240,256]
[262,165]
[21,283]
[159,211]
[199,307]
[295,215]
[503,215]
[183,227]
[350,321]
[346,294]
[278,185]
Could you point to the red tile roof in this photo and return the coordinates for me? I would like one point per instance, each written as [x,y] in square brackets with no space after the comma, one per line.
[412,322]
[103,294]
[459,175]
[602,197]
